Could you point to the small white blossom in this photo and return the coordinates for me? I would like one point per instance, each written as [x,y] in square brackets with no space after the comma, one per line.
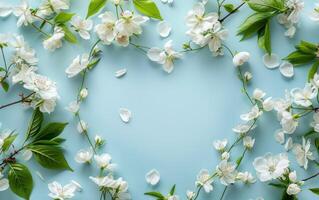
[241,58]
[271,166]
[303,153]
[204,179]
[55,41]
[57,191]
[226,172]
[253,114]
[246,177]
[293,189]
[130,24]
[79,64]
[220,145]
[248,142]
[84,156]
[82,26]
[103,161]
[82,127]
[84,93]
[73,107]
[258,94]
[23,13]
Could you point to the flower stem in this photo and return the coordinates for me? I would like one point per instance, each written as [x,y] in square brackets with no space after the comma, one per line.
[232,12]
[22,100]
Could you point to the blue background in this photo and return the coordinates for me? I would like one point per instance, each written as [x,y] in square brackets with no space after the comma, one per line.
[176,117]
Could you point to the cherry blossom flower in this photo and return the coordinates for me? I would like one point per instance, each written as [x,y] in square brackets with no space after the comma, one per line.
[78,65]
[152,177]
[271,166]
[106,30]
[23,13]
[303,153]
[57,191]
[226,172]
[204,179]
[130,24]
[82,26]
[241,58]
[55,41]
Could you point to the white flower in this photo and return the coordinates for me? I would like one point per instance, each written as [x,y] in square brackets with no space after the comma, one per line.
[314,15]
[23,12]
[241,58]
[4,183]
[98,140]
[226,172]
[204,179]
[82,126]
[82,26]
[293,189]
[164,57]
[106,30]
[73,107]
[84,93]
[258,94]
[280,136]
[315,81]
[288,122]
[164,29]
[55,41]
[225,156]
[21,73]
[103,161]
[153,177]
[79,64]
[61,193]
[303,153]
[295,7]
[130,24]
[244,128]
[197,21]
[289,144]
[293,176]
[246,177]
[220,145]
[271,167]
[248,76]
[123,40]
[304,96]
[217,35]
[248,142]
[190,194]
[315,123]
[268,104]
[84,156]
[253,114]
[106,181]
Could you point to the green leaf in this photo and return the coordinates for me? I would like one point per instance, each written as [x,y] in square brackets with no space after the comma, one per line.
[314,190]
[307,47]
[8,142]
[172,191]
[264,38]
[51,131]
[35,123]
[253,24]
[68,35]
[229,7]
[265,5]
[95,6]
[317,143]
[313,70]
[155,194]
[148,8]
[20,180]
[310,133]
[50,157]
[298,58]
[277,185]
[5,85]
[63,17]
[93,63]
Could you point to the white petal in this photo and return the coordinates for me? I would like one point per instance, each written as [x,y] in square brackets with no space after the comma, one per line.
[5,11]
[154,54]
[120,73]
[77,185]
[164,29]
[125,115]
[271,61]
[4,184]
[152,177]
[287,69]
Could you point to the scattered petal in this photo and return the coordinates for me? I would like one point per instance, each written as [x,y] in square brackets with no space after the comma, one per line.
[4,184]
[287,69]
[164,29]
[120,73]
[125,115]
[78,186]
[271,61]
[153,177]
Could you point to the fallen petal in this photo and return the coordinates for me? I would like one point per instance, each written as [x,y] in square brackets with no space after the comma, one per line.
[164,29]
[287,69]
[125,115]
[120,73]
[271,61]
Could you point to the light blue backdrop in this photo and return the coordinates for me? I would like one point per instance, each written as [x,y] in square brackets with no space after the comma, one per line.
[175,117]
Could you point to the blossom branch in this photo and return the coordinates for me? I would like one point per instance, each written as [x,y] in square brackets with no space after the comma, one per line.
[232,12]
[22,100]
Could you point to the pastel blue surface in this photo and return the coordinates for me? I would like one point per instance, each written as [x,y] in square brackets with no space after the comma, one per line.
[176,117]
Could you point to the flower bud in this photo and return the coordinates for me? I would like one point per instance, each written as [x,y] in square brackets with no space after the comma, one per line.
[241,58]
[84,93]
